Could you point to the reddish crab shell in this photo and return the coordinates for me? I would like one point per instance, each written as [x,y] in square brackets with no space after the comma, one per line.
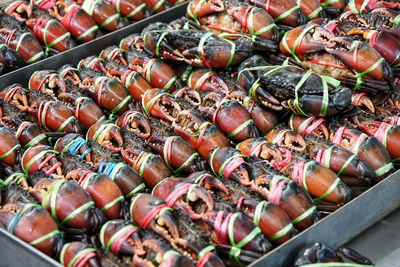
[9,148]
[107,134]
[78,254]
[42,158]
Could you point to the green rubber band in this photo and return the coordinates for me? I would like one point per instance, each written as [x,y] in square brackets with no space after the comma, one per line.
[102,233]
[281,232]
[134,12]
[154,99]
[255,148]
[251,27]
[120,105]
[170,82]
[257,212]
[157,6]
[133,200]
[302,125]
[325,98]
[308,163]
[396,21]
[35,158]
[21,38]
[85,206]
[10,151]
[357,144]
[160,39]
[336,264]
[279,136]
[330,190]
[112,203]
[298,86]
[277,179]
[286,13]
[245,240]
[87,180]
[202,126]
[314,13]
[304,215]
[329,2]
[169,254]
[327,157]
[14,178]
[98,132]
[361,74]
[384,169]
[59,39]
[86,33]
[194,15]
[137,189]
[385,134]
[226,162]
[37,56]
[165,209]
[253,87]
[108,21]
[239,129]
[200,81]
[74,259]
[189,191]
[65,123]
[186,163]
[202,42]
[35,141]
[117,235]
[346,164]
[141,169]
[51,197]
[2,183]
[205,250]
[116,170]
[43,238]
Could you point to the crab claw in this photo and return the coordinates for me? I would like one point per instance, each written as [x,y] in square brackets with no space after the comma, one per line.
[107,134]
[212,83]
[20,10]
[199,8]
[260,148]
[69,72]
[209,182]
[71,140]
[312,125]
[360,57]
[148,211]
[92,62]
[260,20]
[47,163]
[287,138]
[16,96]
[159,103]
[48,82]
[313,39]
[362,101]
[136,122]
[113,53]
[191,199]
[190,95]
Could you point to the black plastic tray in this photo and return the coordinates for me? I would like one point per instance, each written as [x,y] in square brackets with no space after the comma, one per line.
[334,230]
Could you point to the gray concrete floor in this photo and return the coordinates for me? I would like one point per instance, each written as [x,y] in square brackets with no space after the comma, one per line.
[381,242]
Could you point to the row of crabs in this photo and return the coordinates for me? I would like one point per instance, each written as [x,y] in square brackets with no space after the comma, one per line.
[33,30]
[96,88]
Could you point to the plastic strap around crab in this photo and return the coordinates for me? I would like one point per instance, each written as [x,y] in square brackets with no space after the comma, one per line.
[352,6]
[135,11]
[256,148]
[99,83]
[337,138]
[36,158]
[112,203]
[177,193]
[361,74]
[21,128]
[160,39]
[194,14]
[250,26]
[276,179]
[85,178]
[335,264]
[395,120]
[328,2]
[135,190]
[281,232]
[124,233]
[12,223]
[86,33]
[35,141]
[101,130]
[45,237]
[384,169]
[239,128]
[200,82]
[51,196]
[141,169]
[257,212]
[355,98]
[57,40]
[74,146]
[200,49]
[234,252]
[15,178]
[158,5]
[354,148]
[300,172]
[85,206]
[324,156]
[65,123]
[10,151]
[109,20]
[167,155]
[149,106]
[120,105]
[329,191]
[147,69]
[108,168]
[154,213]
[275,191]
[285,14]
[201,131]
[12,7]
[33,58]
[225,100]
[396,21]
[204,255]
[11,93]
[304,215]
[382,132]
[230,163]
[298,86]
[314,13]
[83,255]
[168,258]
[279,136]
[297,42]
[170,82]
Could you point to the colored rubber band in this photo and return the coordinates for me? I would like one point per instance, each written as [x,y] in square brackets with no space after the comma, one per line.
[304,215]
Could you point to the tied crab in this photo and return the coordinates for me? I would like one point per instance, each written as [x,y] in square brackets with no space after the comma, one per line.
[107,134]
[354,63]
[198,48]
[9,59]
[42,158]
[135,122]
[307,93]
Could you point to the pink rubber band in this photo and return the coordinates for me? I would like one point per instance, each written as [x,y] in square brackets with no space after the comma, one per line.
[276,192]
[240,202]
[285,162]
[231,166]
[66,20]
[177,193]
[380,133]
[151,215]
[297,173]
[116,245]
[337,139]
